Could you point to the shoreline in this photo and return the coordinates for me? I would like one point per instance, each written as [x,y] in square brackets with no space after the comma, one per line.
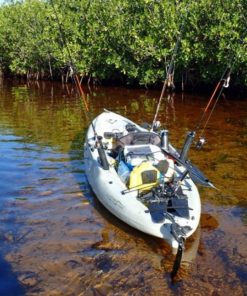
[203,89]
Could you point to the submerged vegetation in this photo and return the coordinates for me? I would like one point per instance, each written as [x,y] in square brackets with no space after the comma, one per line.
[124,40]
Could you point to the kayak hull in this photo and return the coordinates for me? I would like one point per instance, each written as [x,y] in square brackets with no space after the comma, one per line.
[124,203]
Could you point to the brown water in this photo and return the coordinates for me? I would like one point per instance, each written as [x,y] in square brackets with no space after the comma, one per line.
[55,237]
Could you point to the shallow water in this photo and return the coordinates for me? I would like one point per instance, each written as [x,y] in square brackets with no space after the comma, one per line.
[56,239]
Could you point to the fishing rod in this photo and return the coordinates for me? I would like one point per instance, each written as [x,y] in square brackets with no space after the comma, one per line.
[177,231]
[223,83]
[71,63]
[98,139]
[170,71]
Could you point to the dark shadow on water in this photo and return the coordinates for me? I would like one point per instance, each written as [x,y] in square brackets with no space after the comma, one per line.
[9,285]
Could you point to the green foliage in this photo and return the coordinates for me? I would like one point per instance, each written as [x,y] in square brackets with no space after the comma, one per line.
[124,39]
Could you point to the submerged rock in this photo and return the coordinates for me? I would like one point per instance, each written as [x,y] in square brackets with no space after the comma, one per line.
[29,279]
[208,222]
[103,262]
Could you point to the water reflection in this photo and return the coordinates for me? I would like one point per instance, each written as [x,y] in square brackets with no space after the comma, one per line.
[170,111]
[57,238]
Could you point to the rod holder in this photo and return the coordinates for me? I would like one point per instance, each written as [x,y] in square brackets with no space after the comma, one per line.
[102,155]
[165,140]
[187,144]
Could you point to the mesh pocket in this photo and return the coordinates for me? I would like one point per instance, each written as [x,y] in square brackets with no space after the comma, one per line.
[149,176]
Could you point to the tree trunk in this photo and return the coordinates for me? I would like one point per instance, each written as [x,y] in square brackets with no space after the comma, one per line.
[81,79]
[50,68]
[67,77]
[182,84]
[89,80]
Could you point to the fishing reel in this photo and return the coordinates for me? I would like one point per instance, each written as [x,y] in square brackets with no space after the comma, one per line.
[156,125]
[200,143]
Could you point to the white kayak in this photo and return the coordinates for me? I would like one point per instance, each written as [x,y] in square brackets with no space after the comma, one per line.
[134,175]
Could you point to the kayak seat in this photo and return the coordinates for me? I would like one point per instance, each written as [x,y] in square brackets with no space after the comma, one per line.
[134,155]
